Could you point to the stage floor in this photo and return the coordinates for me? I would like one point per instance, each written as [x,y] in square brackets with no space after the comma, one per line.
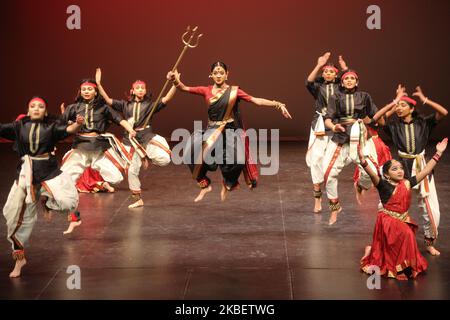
[261,244]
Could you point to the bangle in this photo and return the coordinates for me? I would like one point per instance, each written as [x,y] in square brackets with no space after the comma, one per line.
[425,101]
[436,157]
[364,164]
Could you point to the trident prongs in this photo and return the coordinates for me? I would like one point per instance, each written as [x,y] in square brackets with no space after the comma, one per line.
[188,43]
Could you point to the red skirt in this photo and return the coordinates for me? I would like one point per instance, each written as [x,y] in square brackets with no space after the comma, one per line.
[90,181]
[394,249]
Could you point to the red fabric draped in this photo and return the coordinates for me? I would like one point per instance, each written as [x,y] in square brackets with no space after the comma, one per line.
[90,181]
[394,246]
[383,152]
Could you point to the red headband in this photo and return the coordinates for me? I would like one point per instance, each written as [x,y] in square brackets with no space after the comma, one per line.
[138,82]
[331,67]
[37,100]
[409,100]
[349,73]
[87,83]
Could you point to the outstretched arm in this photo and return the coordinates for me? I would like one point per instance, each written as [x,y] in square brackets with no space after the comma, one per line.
[74,127]
[98,79]
[321,61]
[272,103]
[440,110]
[175,78]
[373,175]
[169,95]
[440,148]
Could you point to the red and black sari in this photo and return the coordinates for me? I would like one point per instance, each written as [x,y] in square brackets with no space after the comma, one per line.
[394,246]
[223,114]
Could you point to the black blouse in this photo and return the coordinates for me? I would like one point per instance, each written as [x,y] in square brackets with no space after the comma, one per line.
[412,137]
[343,105]
[321,90]
[385,189]
[96,119]
[138,111]
[36,138]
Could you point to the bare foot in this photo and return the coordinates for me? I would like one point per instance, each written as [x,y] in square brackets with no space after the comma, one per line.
[317,205]
[366,252]
[137,204]
[72,225]
[333,217]
[223,193]
[433,251]
[108,187]
[202,193]
[47,212]
[18,268]
[358,192]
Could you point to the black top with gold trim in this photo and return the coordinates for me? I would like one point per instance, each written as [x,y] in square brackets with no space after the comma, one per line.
[36,138]
[96,121]
[344,106]
[136,113]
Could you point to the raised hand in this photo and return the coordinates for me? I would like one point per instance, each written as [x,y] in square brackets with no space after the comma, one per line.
[173,76]
[400,92]
[98,75]
[441,146]
[62,108]
[342,63]
[322,60]
[419,94]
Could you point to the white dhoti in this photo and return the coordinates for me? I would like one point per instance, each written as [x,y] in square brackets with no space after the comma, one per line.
[157,150]
[112,163]
[427,197]
[317,144]
[338,156]
[21,207]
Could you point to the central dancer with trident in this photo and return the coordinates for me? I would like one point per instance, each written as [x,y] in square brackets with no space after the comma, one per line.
[223,113]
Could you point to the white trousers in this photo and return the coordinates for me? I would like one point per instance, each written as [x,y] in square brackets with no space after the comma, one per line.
[21,217]
[336,158]
[317,146]
[75,161]
[158,151]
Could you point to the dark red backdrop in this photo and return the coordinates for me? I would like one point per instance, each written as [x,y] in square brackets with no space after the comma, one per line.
[270,47]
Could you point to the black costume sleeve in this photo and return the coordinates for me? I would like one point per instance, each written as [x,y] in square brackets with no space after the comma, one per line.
[60,131]
[413,181]
[332,107]
[370,106]
[113,115]
[313,88]
[119,105]
[159,107]
[431,121]
[69,114]
[8,131]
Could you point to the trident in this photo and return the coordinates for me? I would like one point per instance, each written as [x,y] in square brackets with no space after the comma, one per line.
[187,44]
